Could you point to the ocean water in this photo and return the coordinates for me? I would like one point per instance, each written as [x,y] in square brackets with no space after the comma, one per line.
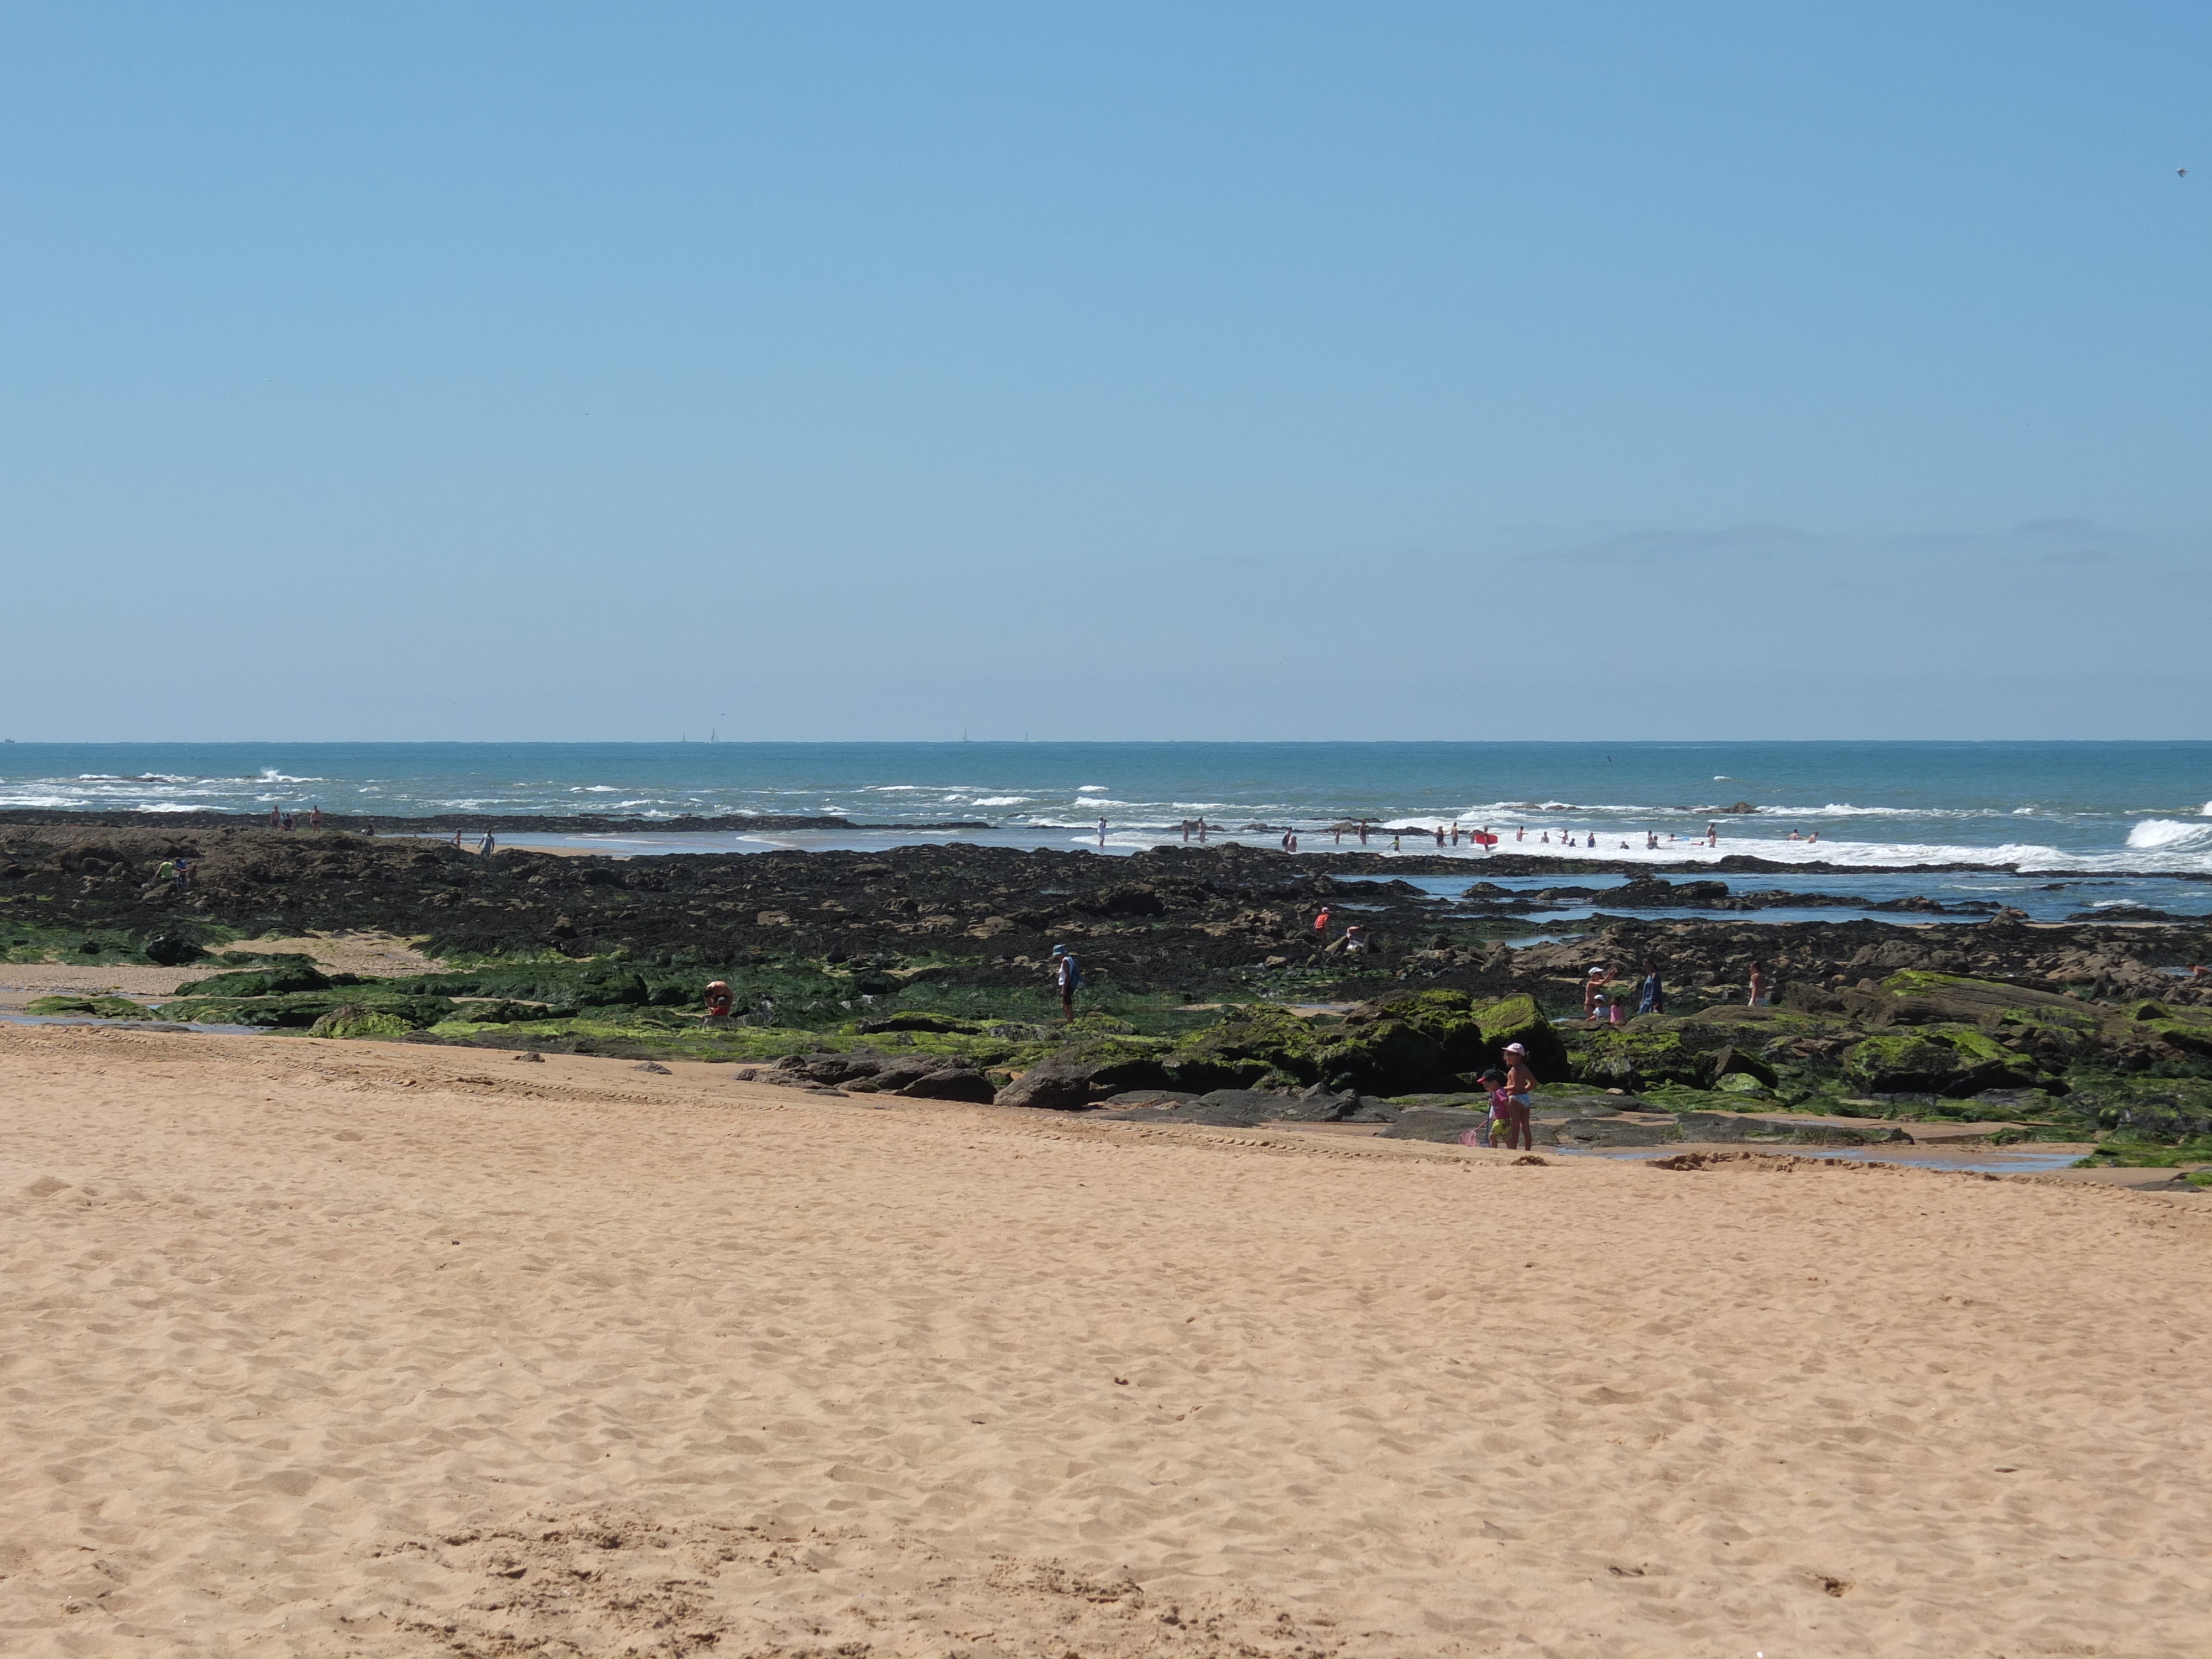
[2105,807]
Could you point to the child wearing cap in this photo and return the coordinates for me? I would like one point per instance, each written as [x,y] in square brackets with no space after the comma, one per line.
[1501,1108]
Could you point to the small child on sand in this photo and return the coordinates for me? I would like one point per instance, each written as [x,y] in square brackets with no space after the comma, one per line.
[1485,1133]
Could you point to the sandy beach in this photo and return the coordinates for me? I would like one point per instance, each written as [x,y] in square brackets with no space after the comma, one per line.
[379,1349]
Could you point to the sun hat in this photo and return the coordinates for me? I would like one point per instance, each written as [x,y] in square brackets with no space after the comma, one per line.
[1060,950]
[1515,1048]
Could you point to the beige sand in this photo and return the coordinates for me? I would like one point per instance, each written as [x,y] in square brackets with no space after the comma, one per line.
[326,1348]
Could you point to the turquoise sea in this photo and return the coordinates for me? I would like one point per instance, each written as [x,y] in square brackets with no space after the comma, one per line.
[2109,807]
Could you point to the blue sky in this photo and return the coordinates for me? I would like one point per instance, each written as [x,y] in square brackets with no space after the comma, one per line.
[1277,370]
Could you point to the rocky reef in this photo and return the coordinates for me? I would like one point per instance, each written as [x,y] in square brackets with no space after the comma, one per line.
[924,968]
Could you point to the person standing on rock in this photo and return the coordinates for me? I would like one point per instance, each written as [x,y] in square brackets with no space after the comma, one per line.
[1654,997]
[1520,1084]
[1101,832]
[1758,982]
[1066,979]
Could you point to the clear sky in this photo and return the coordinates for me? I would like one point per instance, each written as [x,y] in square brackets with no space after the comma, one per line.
[1179,370]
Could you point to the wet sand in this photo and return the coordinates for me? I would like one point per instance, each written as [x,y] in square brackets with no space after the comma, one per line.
[373,1349]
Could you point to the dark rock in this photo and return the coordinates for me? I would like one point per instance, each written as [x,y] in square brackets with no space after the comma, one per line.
[1651,892]
[1733,1062]
[169,951]
[1614,1132]
[1056,1086]
[951,1083]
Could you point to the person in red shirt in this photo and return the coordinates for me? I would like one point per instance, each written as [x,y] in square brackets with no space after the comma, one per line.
[718,1000]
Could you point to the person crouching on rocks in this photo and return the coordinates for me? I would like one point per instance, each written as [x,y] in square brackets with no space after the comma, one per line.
[718,1000]
[1066,979]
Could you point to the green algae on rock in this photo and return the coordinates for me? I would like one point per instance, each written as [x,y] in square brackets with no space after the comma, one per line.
[93,1007]
[352,1020]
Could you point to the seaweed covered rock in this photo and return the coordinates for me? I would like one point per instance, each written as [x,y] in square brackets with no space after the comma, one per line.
[1432,1038]
[1955,1061]
[288,980]
[84,1007]
[1245,1050]
[1644,1055]
[918,1020]
[301,1012]
[1732,1062]
[352,1020]
[2188,1030]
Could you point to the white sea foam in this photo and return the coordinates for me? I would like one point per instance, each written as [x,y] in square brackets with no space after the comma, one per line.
[2169,833]
[1090,788]
[1000,800]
